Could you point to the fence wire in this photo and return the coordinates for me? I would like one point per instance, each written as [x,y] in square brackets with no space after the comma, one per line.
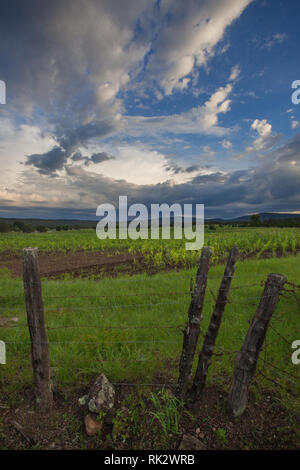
[218,351]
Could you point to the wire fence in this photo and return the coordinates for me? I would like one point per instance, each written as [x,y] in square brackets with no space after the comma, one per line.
[292,292]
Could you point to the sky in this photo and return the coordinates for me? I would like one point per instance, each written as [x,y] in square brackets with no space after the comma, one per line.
[165,101]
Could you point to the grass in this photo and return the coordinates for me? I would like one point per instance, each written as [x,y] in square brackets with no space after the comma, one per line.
[167,411]
[130,328]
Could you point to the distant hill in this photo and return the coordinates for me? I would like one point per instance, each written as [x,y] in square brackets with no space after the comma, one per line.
[266,216]
[52,223]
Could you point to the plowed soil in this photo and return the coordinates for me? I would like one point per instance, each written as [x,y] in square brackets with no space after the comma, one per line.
[81,263]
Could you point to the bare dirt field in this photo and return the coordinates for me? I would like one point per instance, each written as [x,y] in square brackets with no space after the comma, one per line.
[81,263]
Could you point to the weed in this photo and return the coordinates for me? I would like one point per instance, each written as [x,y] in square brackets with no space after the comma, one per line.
[167,411]
[221,436]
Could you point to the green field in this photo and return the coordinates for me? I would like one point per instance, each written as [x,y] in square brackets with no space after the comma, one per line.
[131,327]
[160,253]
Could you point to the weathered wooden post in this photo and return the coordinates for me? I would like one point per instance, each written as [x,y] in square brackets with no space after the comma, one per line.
[36,324]
[192,329]
[246,358]
[213,328]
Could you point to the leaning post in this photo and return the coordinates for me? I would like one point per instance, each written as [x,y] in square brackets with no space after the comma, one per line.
[192,329]
[246,359]
[213,328]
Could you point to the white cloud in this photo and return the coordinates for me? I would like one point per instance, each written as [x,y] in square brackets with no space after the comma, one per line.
[235,72]
[265,140]
[190,40]
[201,119]
[277,38]
[295,124]
[16,143]
[226,144]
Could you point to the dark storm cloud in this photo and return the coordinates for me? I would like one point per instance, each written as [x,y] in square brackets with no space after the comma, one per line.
[49,162]
[94,158]
[273,186]
[56,158]
[101,157]
[176,169]
[73,138]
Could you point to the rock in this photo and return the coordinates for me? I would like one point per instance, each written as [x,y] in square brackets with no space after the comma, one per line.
[83,400]
[189,442]
[92,426]
[101,396]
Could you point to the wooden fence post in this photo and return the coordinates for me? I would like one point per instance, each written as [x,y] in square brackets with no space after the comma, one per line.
[213,328]
[36,324]
[192,329]
[246,358]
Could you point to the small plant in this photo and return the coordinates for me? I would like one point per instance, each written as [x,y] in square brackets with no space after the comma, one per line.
[167,413]
[128,419]
[221,437]
[101,415]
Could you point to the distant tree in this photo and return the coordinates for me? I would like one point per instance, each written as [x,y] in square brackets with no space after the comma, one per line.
[76,227]
[19,224]
[28,228]
[212,227]
[255,219]
[58,228]
[4,227]
[42,228]
[65,227]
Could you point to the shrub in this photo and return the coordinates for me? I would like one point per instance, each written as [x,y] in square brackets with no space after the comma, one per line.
[4,227]
[28,228]
[42,228]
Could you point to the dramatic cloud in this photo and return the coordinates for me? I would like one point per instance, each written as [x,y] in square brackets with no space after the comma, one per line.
[189,39]
[202,119]
[94,158]
[49,162]
[275,181]
[141,97]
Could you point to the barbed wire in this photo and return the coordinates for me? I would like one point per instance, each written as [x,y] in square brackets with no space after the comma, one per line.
[93,342]
[104,327]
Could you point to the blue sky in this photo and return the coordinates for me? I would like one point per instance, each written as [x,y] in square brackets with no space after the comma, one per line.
[162,101]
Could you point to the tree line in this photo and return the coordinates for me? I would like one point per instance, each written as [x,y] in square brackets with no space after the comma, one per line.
[19,226]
